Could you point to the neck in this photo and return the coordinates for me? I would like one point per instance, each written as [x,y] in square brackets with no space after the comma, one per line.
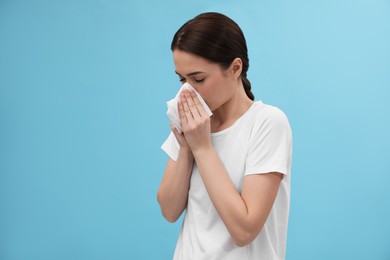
[230,111]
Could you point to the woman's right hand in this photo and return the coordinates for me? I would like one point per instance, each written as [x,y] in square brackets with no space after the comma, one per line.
[180,138]
[173,192]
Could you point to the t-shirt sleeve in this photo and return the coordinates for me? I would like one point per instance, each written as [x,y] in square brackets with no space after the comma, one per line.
[171,146]
[270,144]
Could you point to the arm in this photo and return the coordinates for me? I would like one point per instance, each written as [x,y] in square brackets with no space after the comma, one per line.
[244,215]
[173,192]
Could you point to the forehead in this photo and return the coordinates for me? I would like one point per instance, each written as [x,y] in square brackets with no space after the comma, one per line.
[186,63]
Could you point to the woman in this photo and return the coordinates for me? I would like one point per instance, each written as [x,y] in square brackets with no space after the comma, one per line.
[230,172]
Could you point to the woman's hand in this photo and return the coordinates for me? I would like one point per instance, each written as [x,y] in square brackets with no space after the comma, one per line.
[195,121]
[180,139]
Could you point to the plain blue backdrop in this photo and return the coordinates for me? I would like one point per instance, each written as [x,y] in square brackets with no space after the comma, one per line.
[83,86]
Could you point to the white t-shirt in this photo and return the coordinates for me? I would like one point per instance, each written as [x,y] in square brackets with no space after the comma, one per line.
[260,141]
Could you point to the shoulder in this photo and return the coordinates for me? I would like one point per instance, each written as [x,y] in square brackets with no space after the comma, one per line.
[264,115]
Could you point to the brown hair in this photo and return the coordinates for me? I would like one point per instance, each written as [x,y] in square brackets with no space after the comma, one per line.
[217,38]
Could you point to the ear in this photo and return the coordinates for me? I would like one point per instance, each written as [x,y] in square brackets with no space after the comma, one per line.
[236,67]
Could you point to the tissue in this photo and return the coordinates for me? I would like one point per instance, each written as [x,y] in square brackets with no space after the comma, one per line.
[173,111]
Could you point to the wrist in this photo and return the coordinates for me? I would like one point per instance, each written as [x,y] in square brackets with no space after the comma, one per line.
[201,150]
[186,152]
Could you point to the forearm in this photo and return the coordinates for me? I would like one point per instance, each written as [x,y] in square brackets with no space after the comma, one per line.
[228,202]
[173,192]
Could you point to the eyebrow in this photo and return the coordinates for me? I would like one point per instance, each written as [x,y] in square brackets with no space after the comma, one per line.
[191,74]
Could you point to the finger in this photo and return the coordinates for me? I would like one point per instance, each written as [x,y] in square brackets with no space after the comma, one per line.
[186,107]
[182,113]
[175,131]
[173,128]
[202,112]
[193,105]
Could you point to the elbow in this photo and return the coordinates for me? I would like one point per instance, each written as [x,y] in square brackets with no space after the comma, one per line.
[244,234]
[244,238]
[169,216]
[242,241]
[170,219]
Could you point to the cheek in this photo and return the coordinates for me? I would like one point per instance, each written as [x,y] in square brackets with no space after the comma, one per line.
[211,93]
[208,90]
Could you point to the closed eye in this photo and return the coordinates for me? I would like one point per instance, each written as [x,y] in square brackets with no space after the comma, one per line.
[199,80]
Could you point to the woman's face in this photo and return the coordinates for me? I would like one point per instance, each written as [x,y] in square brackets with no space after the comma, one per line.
[216,86]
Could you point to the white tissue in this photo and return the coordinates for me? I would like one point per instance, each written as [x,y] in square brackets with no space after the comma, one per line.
[173,111]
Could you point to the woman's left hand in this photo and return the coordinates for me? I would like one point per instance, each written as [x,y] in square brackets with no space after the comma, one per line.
[195,121]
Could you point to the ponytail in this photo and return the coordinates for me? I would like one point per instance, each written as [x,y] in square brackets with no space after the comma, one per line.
[247,87]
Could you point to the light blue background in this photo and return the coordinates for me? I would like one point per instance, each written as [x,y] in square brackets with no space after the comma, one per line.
[83,86]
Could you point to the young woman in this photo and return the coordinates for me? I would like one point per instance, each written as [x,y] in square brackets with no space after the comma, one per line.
[230,172]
